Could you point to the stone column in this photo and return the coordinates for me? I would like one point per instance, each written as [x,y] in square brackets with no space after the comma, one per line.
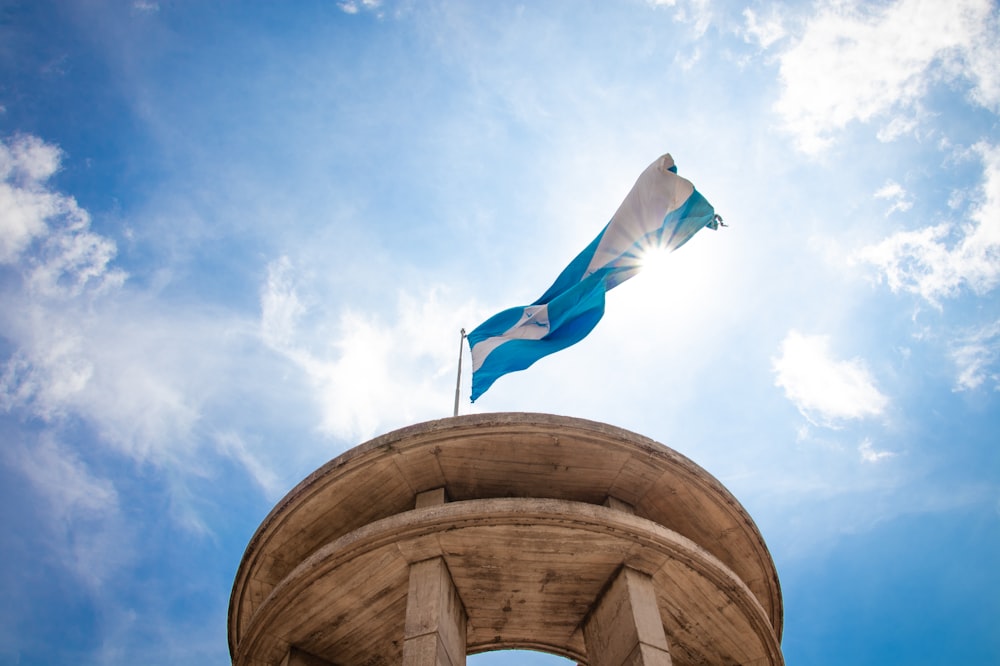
[435,632]
[297,657]
[435,618]
[624,627]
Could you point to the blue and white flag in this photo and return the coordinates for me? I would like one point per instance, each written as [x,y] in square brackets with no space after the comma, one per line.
[662,210]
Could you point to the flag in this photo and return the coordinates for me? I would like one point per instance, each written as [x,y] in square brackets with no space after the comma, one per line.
[662,210]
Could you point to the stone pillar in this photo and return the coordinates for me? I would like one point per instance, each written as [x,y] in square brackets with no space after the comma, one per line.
[430,498]
[618,505]
[624,627]
[435,632]
[435,618]
[296,657]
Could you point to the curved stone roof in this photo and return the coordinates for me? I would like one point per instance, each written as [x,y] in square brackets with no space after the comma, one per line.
[525,535]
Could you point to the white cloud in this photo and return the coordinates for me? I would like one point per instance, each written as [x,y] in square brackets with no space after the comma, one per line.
[856,61]
[891,190]
[28,160]
[279,304]
[80,347]
[83,509]
[71,258]
[687,60]
[825,390]
[150,378]
[148,386]
[354,6]
[45,236]
[870,455]
[975,357]
[763,31]
[372,372]
[65,481]
[698,13]
[25,205]
[232,445]
[926,263]
[896,127]
[45,378]
[137,377]
[894,192]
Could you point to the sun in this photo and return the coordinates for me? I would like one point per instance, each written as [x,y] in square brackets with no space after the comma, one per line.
[653,260]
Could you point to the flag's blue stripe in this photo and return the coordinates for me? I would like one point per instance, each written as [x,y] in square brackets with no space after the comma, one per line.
[498,324]
[582,297]
[573,273]
[687,220]
[572,315]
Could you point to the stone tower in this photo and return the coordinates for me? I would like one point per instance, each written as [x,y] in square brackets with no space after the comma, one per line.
[498,531]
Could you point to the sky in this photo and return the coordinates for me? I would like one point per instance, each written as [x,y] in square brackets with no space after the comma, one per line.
[240,238]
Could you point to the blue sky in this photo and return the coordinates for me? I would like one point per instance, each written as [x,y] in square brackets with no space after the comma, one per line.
[237,239]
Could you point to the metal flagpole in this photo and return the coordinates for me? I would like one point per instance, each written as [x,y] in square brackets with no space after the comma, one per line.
[458,382]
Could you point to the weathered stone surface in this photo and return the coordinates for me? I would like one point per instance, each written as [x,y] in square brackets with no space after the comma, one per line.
[531,516]
[296,657]
[624,625]
[435,628]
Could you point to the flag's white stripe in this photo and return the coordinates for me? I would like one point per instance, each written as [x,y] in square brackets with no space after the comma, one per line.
[533,325]
[657,192]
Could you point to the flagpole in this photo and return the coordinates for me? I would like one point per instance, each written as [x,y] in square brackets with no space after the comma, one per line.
[458,381]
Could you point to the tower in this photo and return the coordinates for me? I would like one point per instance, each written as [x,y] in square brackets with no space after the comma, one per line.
[499,531]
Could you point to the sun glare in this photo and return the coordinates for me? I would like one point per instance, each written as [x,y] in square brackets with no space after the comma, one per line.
[653,261]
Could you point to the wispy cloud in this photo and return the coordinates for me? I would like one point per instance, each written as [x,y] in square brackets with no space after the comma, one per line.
[975,356]
[232,445]
[83,509]
[898,126]
[763,31]
[928,262]
[133,377]
[280,306]
[70,356]
[825,390]
[870,454]
[355,6]
[27,206]
[82,346]
[895,193]
[69,258]
[374,371]
[45,237]
[65,481]
[878,61]
[697,13]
